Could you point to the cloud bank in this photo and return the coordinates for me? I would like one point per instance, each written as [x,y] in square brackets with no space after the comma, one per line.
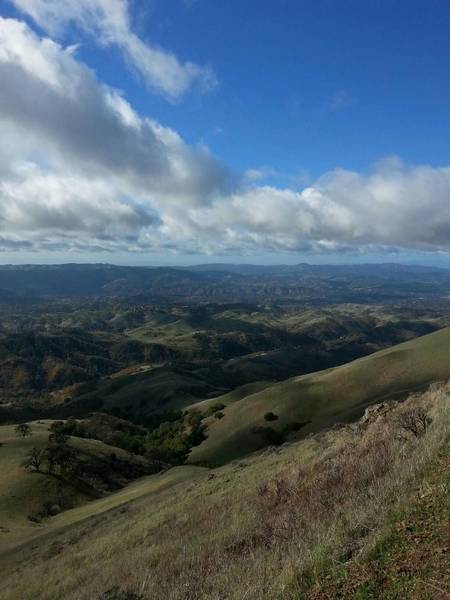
[81,169]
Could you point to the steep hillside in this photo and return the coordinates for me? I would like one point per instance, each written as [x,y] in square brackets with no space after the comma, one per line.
[140,395]
[312,402]
[36,362]
[355,513]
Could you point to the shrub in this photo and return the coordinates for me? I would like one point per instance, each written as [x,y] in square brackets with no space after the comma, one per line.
[197,435]
[57,436]
[194,417]
[415,421]
[270,416]
[70,427]
[23,430]
[219,406]
[219,415]
[34,459]
[133,444]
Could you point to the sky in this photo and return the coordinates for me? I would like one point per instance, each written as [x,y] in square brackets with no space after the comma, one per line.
[187,131]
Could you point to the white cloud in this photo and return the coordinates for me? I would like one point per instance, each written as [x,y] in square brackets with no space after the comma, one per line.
[37,202]
[108,22]
[70,144]
[81,169]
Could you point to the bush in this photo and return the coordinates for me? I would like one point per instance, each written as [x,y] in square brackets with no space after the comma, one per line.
[197,435]
[133,444]
[219,415]
[215,408]
[171,441]
[52,507]
[23,430]
[70,427]
[194,417]
[34,459]
[415,421]
[270,416]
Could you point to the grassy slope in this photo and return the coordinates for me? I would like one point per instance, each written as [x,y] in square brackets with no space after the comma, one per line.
[410,557]
[235,395]
[223,536]
[175,333]
[23,493]
[327,397]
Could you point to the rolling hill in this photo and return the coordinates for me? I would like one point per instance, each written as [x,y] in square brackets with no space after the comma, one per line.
[24,495]
[319,400]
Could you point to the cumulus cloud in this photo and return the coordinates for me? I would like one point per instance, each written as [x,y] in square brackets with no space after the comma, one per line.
[72,145]
[38,202]
[81,169]
[343,211]
[109,23]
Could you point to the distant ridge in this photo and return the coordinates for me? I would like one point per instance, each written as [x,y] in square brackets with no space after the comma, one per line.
[218,281]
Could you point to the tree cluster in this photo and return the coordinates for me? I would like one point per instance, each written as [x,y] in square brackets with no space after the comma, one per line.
[172,441]
[57,458]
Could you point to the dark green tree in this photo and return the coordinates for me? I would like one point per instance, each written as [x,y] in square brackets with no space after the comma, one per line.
[23,430]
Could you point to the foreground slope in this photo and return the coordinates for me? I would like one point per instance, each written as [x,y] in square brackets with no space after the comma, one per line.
[313,402]
[276,526]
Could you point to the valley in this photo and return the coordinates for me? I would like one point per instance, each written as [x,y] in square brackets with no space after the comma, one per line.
[145,413]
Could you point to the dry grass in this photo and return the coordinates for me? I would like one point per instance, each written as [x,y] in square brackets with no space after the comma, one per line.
[267,529]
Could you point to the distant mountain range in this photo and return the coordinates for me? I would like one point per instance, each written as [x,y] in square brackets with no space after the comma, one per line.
[215,282]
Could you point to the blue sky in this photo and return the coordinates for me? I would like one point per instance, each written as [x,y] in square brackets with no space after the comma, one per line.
[283,66]
[281,95]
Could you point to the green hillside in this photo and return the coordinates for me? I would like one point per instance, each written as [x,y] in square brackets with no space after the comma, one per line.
[24,495]
[155,390]
[312,402]
[235,395]
[355,513]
